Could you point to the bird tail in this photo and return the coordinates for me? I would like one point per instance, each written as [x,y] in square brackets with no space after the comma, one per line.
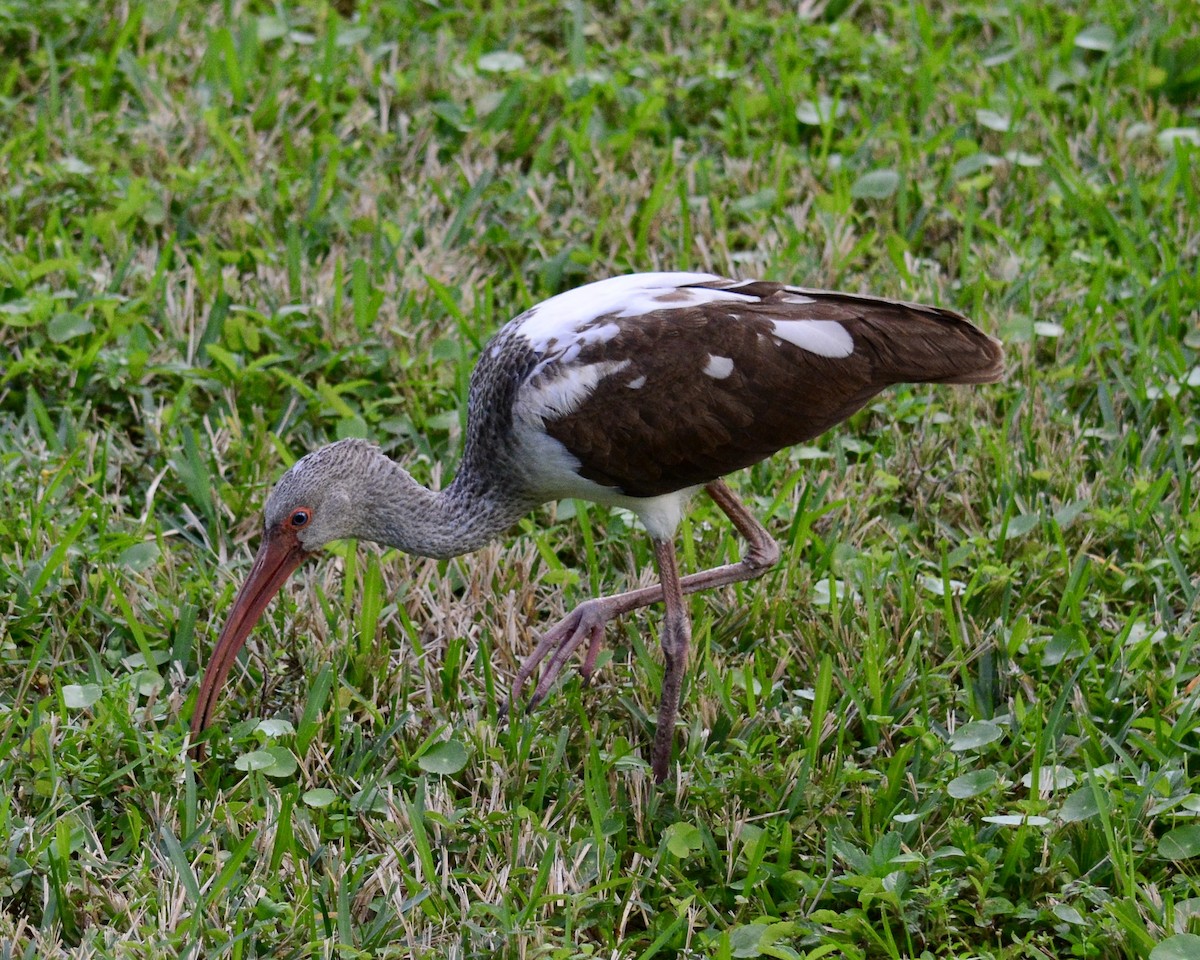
[985,350]
[914,343]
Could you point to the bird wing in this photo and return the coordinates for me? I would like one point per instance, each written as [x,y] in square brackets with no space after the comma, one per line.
[726,373]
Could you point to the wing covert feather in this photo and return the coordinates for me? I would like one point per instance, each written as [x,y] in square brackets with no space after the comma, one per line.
[661,422]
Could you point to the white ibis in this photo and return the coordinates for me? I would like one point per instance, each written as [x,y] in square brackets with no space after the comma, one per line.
[636,391]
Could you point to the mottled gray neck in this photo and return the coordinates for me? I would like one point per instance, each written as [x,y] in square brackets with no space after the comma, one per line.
[465,516]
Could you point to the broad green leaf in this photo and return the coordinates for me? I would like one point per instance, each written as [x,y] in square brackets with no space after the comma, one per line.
[876,185]
[1186,911]
[81,696]
[150,682]
[826,591]
[283,763]
[683,839]
[1099,37]
[744,941]
[1064,645]
[1182,843]
[1080,805]
[254,760]
[136,661]
[937,586]
[1018,526]
[1182,946]
[972,784]
[444,759]
[976,734]
[972,164]
[140,556]
[1068,914]
[319,797]
[369,800]
[1068,513]
[275,727]
[1050,778]
[18,313]
[68,326]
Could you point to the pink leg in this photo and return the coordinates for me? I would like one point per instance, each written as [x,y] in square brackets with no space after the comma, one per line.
[588,619]
[593,651]
[675,639]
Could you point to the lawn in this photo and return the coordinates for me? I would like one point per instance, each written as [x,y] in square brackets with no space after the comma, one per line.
[960,719]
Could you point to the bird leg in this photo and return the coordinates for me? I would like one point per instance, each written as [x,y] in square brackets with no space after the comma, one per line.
[587,621]
[675,638]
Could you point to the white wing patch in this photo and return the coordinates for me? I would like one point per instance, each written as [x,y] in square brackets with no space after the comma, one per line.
[825,338]
[558,396]
[600,334]
[718,367]
[564,316]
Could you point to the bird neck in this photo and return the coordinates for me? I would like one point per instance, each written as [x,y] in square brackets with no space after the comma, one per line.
[463,517]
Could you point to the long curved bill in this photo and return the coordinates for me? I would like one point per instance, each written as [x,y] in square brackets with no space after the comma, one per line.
[277,558]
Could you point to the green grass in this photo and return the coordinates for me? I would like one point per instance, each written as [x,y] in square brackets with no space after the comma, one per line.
[959,719]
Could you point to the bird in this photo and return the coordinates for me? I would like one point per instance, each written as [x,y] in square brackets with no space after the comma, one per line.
[636,391]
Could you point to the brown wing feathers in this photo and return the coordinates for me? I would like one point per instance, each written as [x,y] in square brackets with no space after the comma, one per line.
[926,346]
[664,423]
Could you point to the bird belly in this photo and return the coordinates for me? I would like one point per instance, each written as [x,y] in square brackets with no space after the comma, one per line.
[551,472]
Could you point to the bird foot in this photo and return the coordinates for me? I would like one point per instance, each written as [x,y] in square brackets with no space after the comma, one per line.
[585,622]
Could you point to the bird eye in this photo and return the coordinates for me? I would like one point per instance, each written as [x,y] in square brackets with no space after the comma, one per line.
[300,518]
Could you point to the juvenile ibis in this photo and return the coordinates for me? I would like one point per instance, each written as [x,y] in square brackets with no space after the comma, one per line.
[637,391]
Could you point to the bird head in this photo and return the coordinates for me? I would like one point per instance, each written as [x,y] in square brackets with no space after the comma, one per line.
[315,502]
[320,499]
